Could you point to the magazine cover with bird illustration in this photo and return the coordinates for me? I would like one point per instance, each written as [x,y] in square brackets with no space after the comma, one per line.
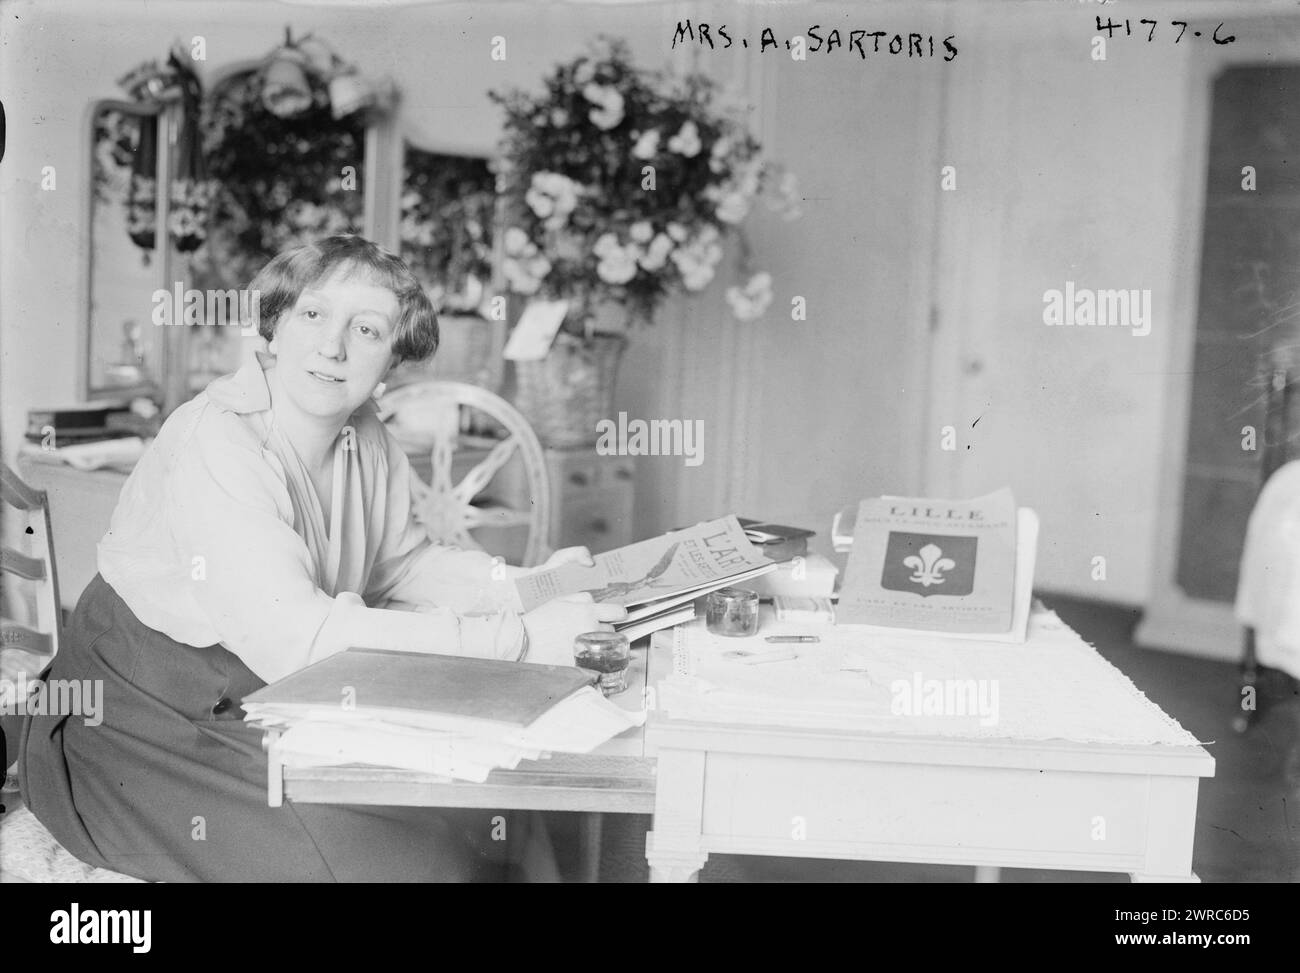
[677,566]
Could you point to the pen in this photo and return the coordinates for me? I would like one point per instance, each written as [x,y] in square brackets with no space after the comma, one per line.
[792,638]
[751,658]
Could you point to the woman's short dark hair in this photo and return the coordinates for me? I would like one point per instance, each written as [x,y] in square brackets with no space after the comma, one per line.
[279,284]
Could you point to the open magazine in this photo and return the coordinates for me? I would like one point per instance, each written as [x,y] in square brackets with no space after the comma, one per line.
[656,580]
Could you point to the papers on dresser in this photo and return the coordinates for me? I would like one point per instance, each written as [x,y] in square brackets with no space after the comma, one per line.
[446,715]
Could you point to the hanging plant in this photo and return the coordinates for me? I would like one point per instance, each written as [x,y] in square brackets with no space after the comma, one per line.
[281,181]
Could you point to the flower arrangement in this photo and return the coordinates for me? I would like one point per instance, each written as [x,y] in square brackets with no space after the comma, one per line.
[587,220]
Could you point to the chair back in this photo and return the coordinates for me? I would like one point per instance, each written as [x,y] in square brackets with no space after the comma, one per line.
[36,567]
[429,418]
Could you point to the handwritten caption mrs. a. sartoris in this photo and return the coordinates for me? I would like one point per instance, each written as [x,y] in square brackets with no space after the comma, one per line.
[819,40]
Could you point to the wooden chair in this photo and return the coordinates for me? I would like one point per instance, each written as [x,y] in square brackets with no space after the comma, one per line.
[442,411]
[28,852]
[1276,449]
[38,567]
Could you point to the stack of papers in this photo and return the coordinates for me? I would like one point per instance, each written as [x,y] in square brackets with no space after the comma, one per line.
[656,580]
[446,715]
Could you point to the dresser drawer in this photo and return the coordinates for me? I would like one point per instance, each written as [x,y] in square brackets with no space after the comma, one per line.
[597,519]
[582,469]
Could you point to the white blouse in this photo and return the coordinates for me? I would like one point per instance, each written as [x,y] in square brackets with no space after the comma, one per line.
[219,537]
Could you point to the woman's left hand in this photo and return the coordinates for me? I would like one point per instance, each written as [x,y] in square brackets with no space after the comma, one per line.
[568,555]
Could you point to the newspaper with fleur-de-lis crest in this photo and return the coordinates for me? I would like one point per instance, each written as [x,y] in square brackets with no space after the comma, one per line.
[933,565]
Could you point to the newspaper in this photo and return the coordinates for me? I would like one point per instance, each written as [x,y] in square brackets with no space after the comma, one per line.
[935,565]
[651,575]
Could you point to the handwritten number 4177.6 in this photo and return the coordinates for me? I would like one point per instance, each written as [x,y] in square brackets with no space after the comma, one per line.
[1110,27]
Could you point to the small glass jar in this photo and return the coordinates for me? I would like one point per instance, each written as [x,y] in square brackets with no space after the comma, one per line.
[732,612]
[607,653]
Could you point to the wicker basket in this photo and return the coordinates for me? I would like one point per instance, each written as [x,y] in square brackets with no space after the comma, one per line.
[566,393]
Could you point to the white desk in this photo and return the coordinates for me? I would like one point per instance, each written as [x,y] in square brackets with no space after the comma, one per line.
[991,803]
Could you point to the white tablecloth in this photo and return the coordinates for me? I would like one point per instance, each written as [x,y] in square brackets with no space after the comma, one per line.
[1053,687]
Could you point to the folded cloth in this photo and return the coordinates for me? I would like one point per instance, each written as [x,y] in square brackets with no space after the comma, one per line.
[1268,588]
[116,453]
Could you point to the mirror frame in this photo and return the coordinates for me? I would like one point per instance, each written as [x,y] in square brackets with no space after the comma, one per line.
[160,114]
[381,194]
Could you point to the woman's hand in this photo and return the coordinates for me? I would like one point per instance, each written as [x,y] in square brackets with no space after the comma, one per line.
[552,627]
[566,555]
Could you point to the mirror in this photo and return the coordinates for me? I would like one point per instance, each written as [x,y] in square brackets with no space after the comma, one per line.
[446,234]
[125,354]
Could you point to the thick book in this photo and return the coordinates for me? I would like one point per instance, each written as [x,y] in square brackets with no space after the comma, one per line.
[656,574]
[933,565]
[404,687]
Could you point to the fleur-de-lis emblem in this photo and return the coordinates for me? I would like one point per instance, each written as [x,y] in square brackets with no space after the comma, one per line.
[929,567]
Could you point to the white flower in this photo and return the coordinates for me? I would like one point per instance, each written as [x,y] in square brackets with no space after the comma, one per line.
[540,203]
[656,254]
[678,232]
[788,196]
[647,145]
[584,73]
[517,241]
[641,231]
[749,303]
[609,105]
[733,208]
[552,197]
[559,118]
[718,154]
[687,140]
[606,244]
[525,276]
[695,272]
[618,266]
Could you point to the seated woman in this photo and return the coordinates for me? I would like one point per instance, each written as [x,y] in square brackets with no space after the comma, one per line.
[268,526]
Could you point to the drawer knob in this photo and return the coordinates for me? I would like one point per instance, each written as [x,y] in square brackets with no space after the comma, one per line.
[600,525]
[623,473]
[578,479]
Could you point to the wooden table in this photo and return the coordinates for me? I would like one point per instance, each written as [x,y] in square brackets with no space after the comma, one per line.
[771,790]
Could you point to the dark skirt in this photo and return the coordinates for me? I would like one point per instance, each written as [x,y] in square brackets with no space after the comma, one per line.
[172,785]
